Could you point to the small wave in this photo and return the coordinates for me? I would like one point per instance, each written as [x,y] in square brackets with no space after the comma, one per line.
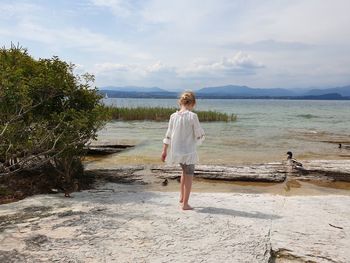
[307,116]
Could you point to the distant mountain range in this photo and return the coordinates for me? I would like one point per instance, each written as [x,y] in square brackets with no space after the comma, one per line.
[244,91]
[133,89]
[344,91]
[230,92]
[136,92]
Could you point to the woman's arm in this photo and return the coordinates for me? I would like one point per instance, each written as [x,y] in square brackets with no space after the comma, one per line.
[167,139]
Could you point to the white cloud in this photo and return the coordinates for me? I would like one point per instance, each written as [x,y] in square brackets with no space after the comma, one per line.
[136,70]
[240,63]
[159,74]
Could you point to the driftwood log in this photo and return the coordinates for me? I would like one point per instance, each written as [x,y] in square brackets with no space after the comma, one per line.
[271,172]
[334,170]
[106,149]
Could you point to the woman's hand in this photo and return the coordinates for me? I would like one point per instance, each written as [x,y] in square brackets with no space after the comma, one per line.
[164,154]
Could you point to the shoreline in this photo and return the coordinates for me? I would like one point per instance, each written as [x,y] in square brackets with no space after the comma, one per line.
[318,177]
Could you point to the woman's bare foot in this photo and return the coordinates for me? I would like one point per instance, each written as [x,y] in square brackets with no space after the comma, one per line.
[187,207]
[181,200]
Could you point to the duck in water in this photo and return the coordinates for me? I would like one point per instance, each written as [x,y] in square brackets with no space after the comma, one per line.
[291,161]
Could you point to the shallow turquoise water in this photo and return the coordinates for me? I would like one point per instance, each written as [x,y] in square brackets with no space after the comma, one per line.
[264,132]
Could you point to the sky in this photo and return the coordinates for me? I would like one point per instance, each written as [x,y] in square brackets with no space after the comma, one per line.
[188,44]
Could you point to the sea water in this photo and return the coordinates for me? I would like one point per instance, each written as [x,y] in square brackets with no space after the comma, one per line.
[264,131]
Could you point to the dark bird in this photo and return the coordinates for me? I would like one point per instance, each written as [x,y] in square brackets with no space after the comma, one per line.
[165,182]
[339,146]
[292,161]
[178,179]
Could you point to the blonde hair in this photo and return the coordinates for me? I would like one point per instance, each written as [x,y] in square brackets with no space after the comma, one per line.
[187,98]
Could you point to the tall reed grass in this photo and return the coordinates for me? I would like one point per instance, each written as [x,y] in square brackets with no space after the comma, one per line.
[163,114]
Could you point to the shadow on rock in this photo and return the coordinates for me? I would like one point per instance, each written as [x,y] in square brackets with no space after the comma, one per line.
[231,212]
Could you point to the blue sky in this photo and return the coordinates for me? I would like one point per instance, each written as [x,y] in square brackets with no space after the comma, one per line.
[189,44]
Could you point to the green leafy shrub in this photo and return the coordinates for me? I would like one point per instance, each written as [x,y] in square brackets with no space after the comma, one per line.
[47,113]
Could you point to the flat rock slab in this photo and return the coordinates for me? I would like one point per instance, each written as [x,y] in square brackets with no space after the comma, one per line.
[123,223]
[312,229]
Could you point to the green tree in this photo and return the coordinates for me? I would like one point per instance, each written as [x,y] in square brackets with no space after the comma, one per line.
[47,113]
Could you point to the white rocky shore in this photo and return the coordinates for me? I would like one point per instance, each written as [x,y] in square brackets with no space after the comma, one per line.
[123,223]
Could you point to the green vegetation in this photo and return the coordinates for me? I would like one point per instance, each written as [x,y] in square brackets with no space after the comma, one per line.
[163,114]
[47,114]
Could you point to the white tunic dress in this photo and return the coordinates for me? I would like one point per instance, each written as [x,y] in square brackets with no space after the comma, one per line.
[183,134]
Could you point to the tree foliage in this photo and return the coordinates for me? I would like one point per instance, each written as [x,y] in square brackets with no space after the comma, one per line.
[47,112]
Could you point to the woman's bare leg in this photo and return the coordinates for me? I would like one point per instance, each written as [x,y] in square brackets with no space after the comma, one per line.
[187,192]
[182,187]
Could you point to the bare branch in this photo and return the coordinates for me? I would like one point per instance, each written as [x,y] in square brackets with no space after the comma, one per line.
[22,164]
[36,165]
[8,149]
[4,129]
